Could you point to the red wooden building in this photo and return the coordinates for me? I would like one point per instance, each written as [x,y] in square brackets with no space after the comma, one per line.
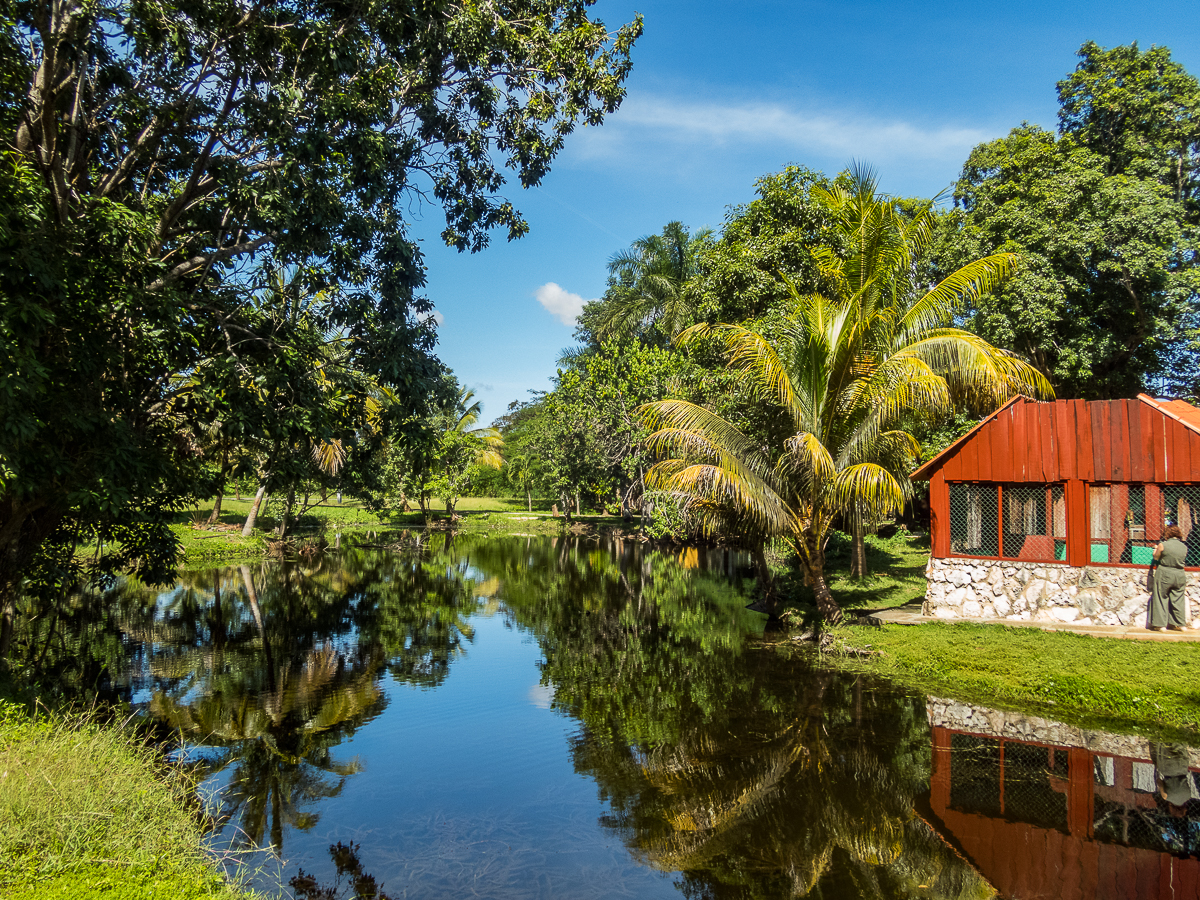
[1039,820]
[1069,481]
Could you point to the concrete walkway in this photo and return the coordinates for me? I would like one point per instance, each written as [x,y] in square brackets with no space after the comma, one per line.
[911,615]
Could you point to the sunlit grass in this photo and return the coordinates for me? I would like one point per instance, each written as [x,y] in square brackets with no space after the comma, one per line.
[1148,685]
[87,810]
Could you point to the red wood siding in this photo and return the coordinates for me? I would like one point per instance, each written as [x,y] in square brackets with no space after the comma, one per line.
[1113,440]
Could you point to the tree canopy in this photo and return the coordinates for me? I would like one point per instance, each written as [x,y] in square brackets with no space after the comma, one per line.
[1104,219]
[160,155]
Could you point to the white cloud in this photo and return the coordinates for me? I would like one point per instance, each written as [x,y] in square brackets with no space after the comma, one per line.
[434,316]
[757,123]
[561,303]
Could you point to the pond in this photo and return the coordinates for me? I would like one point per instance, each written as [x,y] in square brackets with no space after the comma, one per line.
[564,717]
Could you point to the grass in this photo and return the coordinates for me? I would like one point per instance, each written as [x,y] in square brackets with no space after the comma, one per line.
[895,575]
[88,811]
[1149,686]
[479,515]
[895,571]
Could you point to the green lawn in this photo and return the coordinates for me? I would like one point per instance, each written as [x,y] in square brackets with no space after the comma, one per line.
[1150,685]
[88,811]
[478,515]
[895,571]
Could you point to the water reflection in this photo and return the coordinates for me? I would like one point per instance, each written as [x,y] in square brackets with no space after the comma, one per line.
[1047,810]
[401,712]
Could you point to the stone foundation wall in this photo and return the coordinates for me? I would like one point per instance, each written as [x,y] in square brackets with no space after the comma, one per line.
[1015,591]
[1017,726]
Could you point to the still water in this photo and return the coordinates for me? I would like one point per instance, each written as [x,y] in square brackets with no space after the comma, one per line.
[537,717]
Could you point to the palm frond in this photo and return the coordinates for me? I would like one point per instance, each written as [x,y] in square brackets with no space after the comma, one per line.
[869,488]
[936,308]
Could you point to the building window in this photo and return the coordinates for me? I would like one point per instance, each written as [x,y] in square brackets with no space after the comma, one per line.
[1126,521]
[1010,521]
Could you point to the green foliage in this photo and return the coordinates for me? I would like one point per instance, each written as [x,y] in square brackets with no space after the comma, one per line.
[590,437]
[741,275]
[847,372]
[1104,219]
[172,153]
[647,297]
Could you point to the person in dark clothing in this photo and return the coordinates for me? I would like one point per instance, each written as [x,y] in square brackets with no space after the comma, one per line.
[1168,604]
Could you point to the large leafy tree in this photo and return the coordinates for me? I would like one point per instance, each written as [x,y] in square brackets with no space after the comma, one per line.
[848,372]
[155,152]
[739,275]
[590,437]
[1104,218]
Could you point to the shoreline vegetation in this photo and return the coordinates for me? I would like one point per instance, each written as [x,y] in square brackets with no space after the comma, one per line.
[90,810]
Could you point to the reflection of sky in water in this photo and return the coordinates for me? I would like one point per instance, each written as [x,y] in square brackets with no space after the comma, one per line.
[469,789]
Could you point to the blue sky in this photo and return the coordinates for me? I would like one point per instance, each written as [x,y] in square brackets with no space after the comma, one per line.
[723,93]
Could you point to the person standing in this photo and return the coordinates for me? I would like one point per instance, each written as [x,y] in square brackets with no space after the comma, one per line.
[1168,604]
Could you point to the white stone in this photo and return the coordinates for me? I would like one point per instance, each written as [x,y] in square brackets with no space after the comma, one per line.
[995,576]
[972,609]
[945,612]
[1002,606]
[956,597]
[1109,618]
[1033,591]
[960,577]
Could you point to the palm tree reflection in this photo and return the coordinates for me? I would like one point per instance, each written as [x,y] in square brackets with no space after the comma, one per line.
[273,667]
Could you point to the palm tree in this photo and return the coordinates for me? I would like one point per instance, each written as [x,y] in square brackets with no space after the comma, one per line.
[648,284]
[465,446]
[850,370]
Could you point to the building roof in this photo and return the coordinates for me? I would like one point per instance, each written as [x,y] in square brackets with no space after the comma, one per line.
[1142,440]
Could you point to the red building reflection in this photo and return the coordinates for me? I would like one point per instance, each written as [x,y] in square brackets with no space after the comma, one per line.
[1042,820]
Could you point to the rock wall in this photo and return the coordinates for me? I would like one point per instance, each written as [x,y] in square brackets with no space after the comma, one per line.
[1020,727]
[1016,591]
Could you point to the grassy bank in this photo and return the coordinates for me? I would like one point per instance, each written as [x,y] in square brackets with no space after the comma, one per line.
[203,543]
[895,571]
[1105,682]
[86,811]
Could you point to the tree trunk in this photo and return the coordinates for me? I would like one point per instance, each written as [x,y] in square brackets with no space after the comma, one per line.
[215,516]
[285,519]
[529,499]
[6,628]
[858,550]
[827,607]
[578,505]
[252,516]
